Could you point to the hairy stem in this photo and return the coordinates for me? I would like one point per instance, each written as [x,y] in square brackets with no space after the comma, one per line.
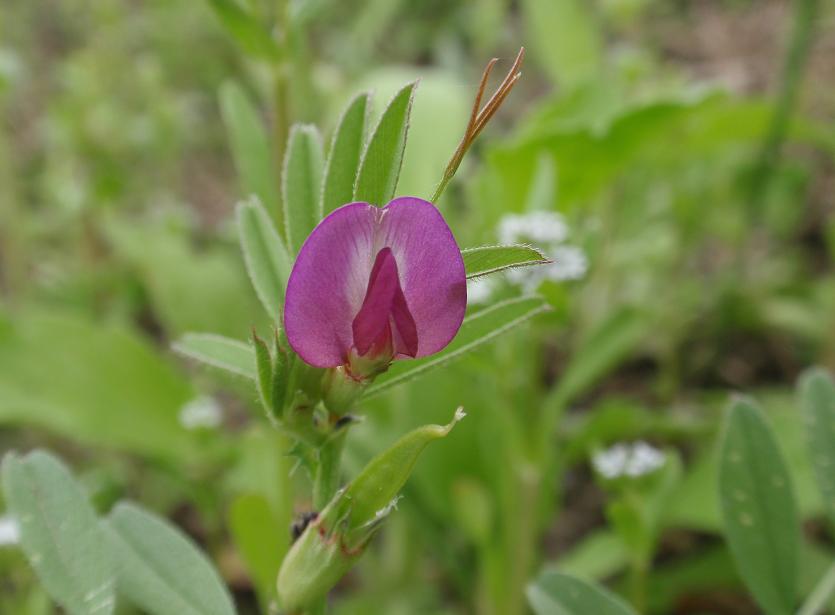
[326,481]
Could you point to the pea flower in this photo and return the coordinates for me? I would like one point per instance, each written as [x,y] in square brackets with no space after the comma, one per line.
[371,285]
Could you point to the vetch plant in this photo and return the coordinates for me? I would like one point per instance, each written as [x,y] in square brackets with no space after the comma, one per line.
[378,281]
[364,291]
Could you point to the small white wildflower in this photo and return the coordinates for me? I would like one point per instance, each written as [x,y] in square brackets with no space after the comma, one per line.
[644,460]
[570,263]
[536,227]
[631,460]
[611,463]
[9,531]
[201,413]
[480,290]
[546,230]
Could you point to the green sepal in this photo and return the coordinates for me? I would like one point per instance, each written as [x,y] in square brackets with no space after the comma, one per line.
[264,373]
[281,364]
[332,543]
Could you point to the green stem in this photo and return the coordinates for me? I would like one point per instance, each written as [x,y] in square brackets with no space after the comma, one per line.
[816,603]
[326,481]
[638,585]
[797,53]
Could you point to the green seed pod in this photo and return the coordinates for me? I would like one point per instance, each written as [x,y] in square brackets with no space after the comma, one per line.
[332,543]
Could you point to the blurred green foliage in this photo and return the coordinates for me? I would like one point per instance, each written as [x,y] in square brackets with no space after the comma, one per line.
[130,130]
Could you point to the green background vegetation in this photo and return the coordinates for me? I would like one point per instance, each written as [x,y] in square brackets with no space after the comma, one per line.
[690,146]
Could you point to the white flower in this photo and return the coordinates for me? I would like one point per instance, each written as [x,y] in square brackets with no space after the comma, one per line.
[545,230]
[537,227]
[570,263]
[9,531]
[631,460]
[480,290]
[201,413]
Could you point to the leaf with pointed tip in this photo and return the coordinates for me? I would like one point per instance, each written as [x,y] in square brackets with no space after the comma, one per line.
[59,533]
[758,507]
[555,593]
[817,392]
[313,565]
[253,38]
[383,156]
[301,183]
[250,146]
[477,329]
[267,261]
[160,570]
[344,156]
[485,260]
[218,351]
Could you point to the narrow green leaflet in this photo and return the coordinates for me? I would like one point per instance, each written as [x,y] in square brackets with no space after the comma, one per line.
[383,157]
[267,261]
[255,531]
[817,395]
[758,508]
[555,593]
[59,533]
[344,156]
[478,329]
[485,260]
[218,351]
[160,570]
[245,28]
[250,146]
[301,183]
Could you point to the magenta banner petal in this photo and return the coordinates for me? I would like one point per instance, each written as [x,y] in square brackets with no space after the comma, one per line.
[370,277]
[327,284]
[431,270]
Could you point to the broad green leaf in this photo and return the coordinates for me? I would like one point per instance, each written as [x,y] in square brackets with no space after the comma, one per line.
[160,570]
[758,508]
[485,260]
[250,147]
[255,531]
[555,593]
[383,156]
[245,28]
[59,533]
[95,383]
[267,261]
[344,156]
[477,329]
[564,39]
[817,392]
[218,351]
[301,183]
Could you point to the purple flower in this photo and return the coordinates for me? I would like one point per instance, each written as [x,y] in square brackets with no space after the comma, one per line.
[376,284]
